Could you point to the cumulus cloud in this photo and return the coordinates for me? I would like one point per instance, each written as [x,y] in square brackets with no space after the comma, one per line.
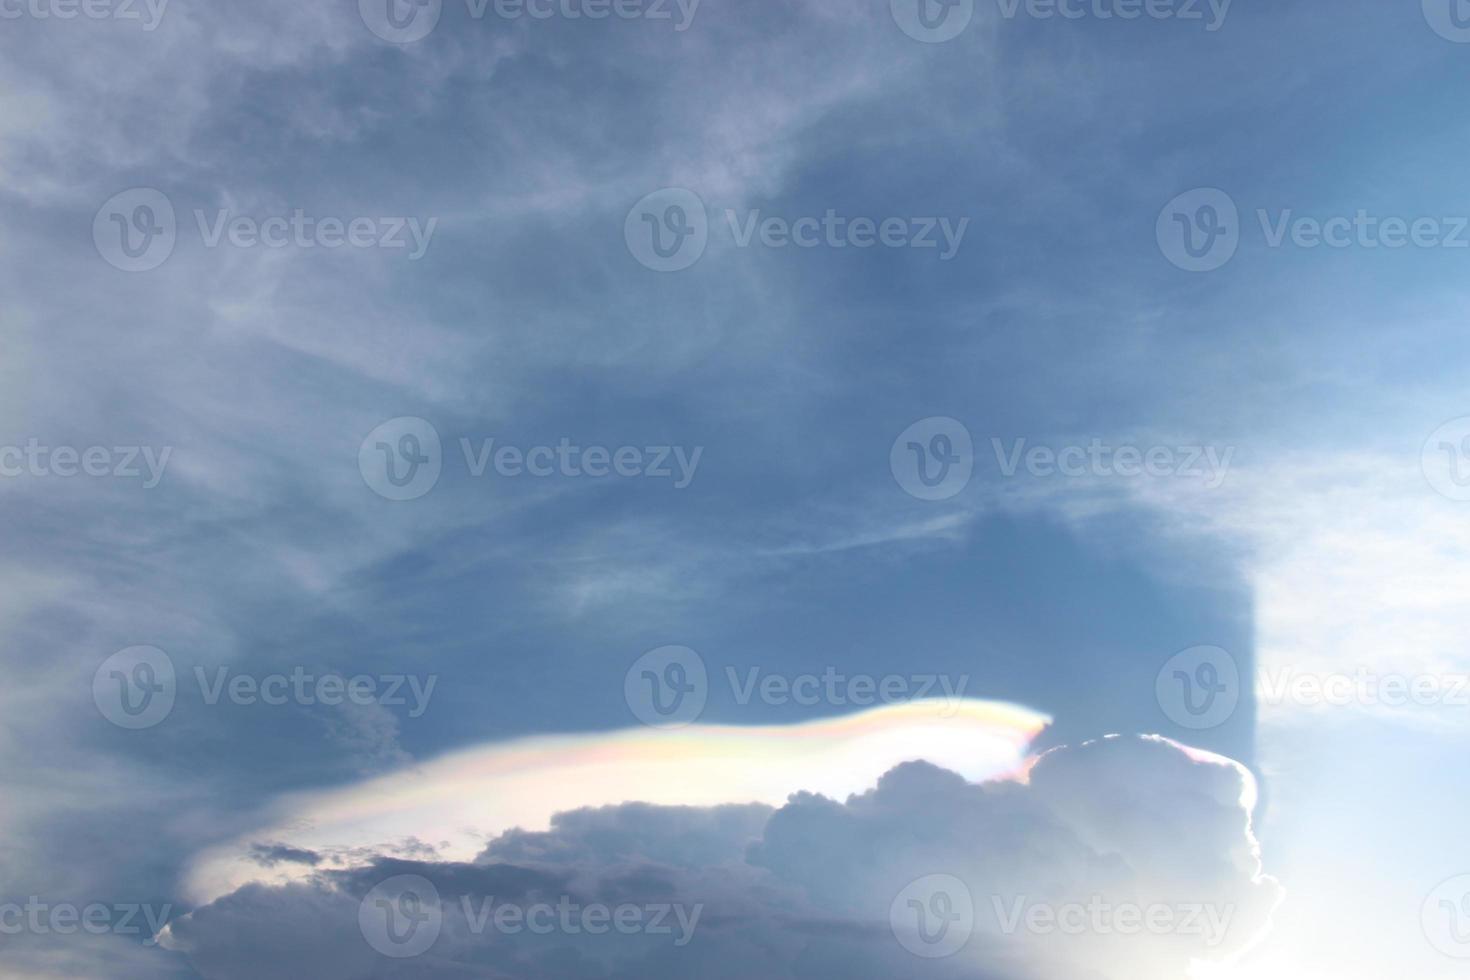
[1120,858]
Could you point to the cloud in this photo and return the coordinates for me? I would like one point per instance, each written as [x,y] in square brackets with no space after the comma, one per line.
[369,734]
[461,800]
[682,836]
[1037,876]
[270,855]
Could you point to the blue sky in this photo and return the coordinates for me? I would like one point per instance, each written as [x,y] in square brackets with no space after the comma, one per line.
[1304,401]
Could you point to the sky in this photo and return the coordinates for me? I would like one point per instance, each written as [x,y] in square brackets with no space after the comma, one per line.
[837,488]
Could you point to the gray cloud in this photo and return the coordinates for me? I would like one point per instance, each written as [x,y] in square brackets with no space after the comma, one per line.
[810,889]
[270,855]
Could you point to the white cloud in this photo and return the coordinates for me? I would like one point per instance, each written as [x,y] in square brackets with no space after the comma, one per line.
[460,800]
[809,889]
